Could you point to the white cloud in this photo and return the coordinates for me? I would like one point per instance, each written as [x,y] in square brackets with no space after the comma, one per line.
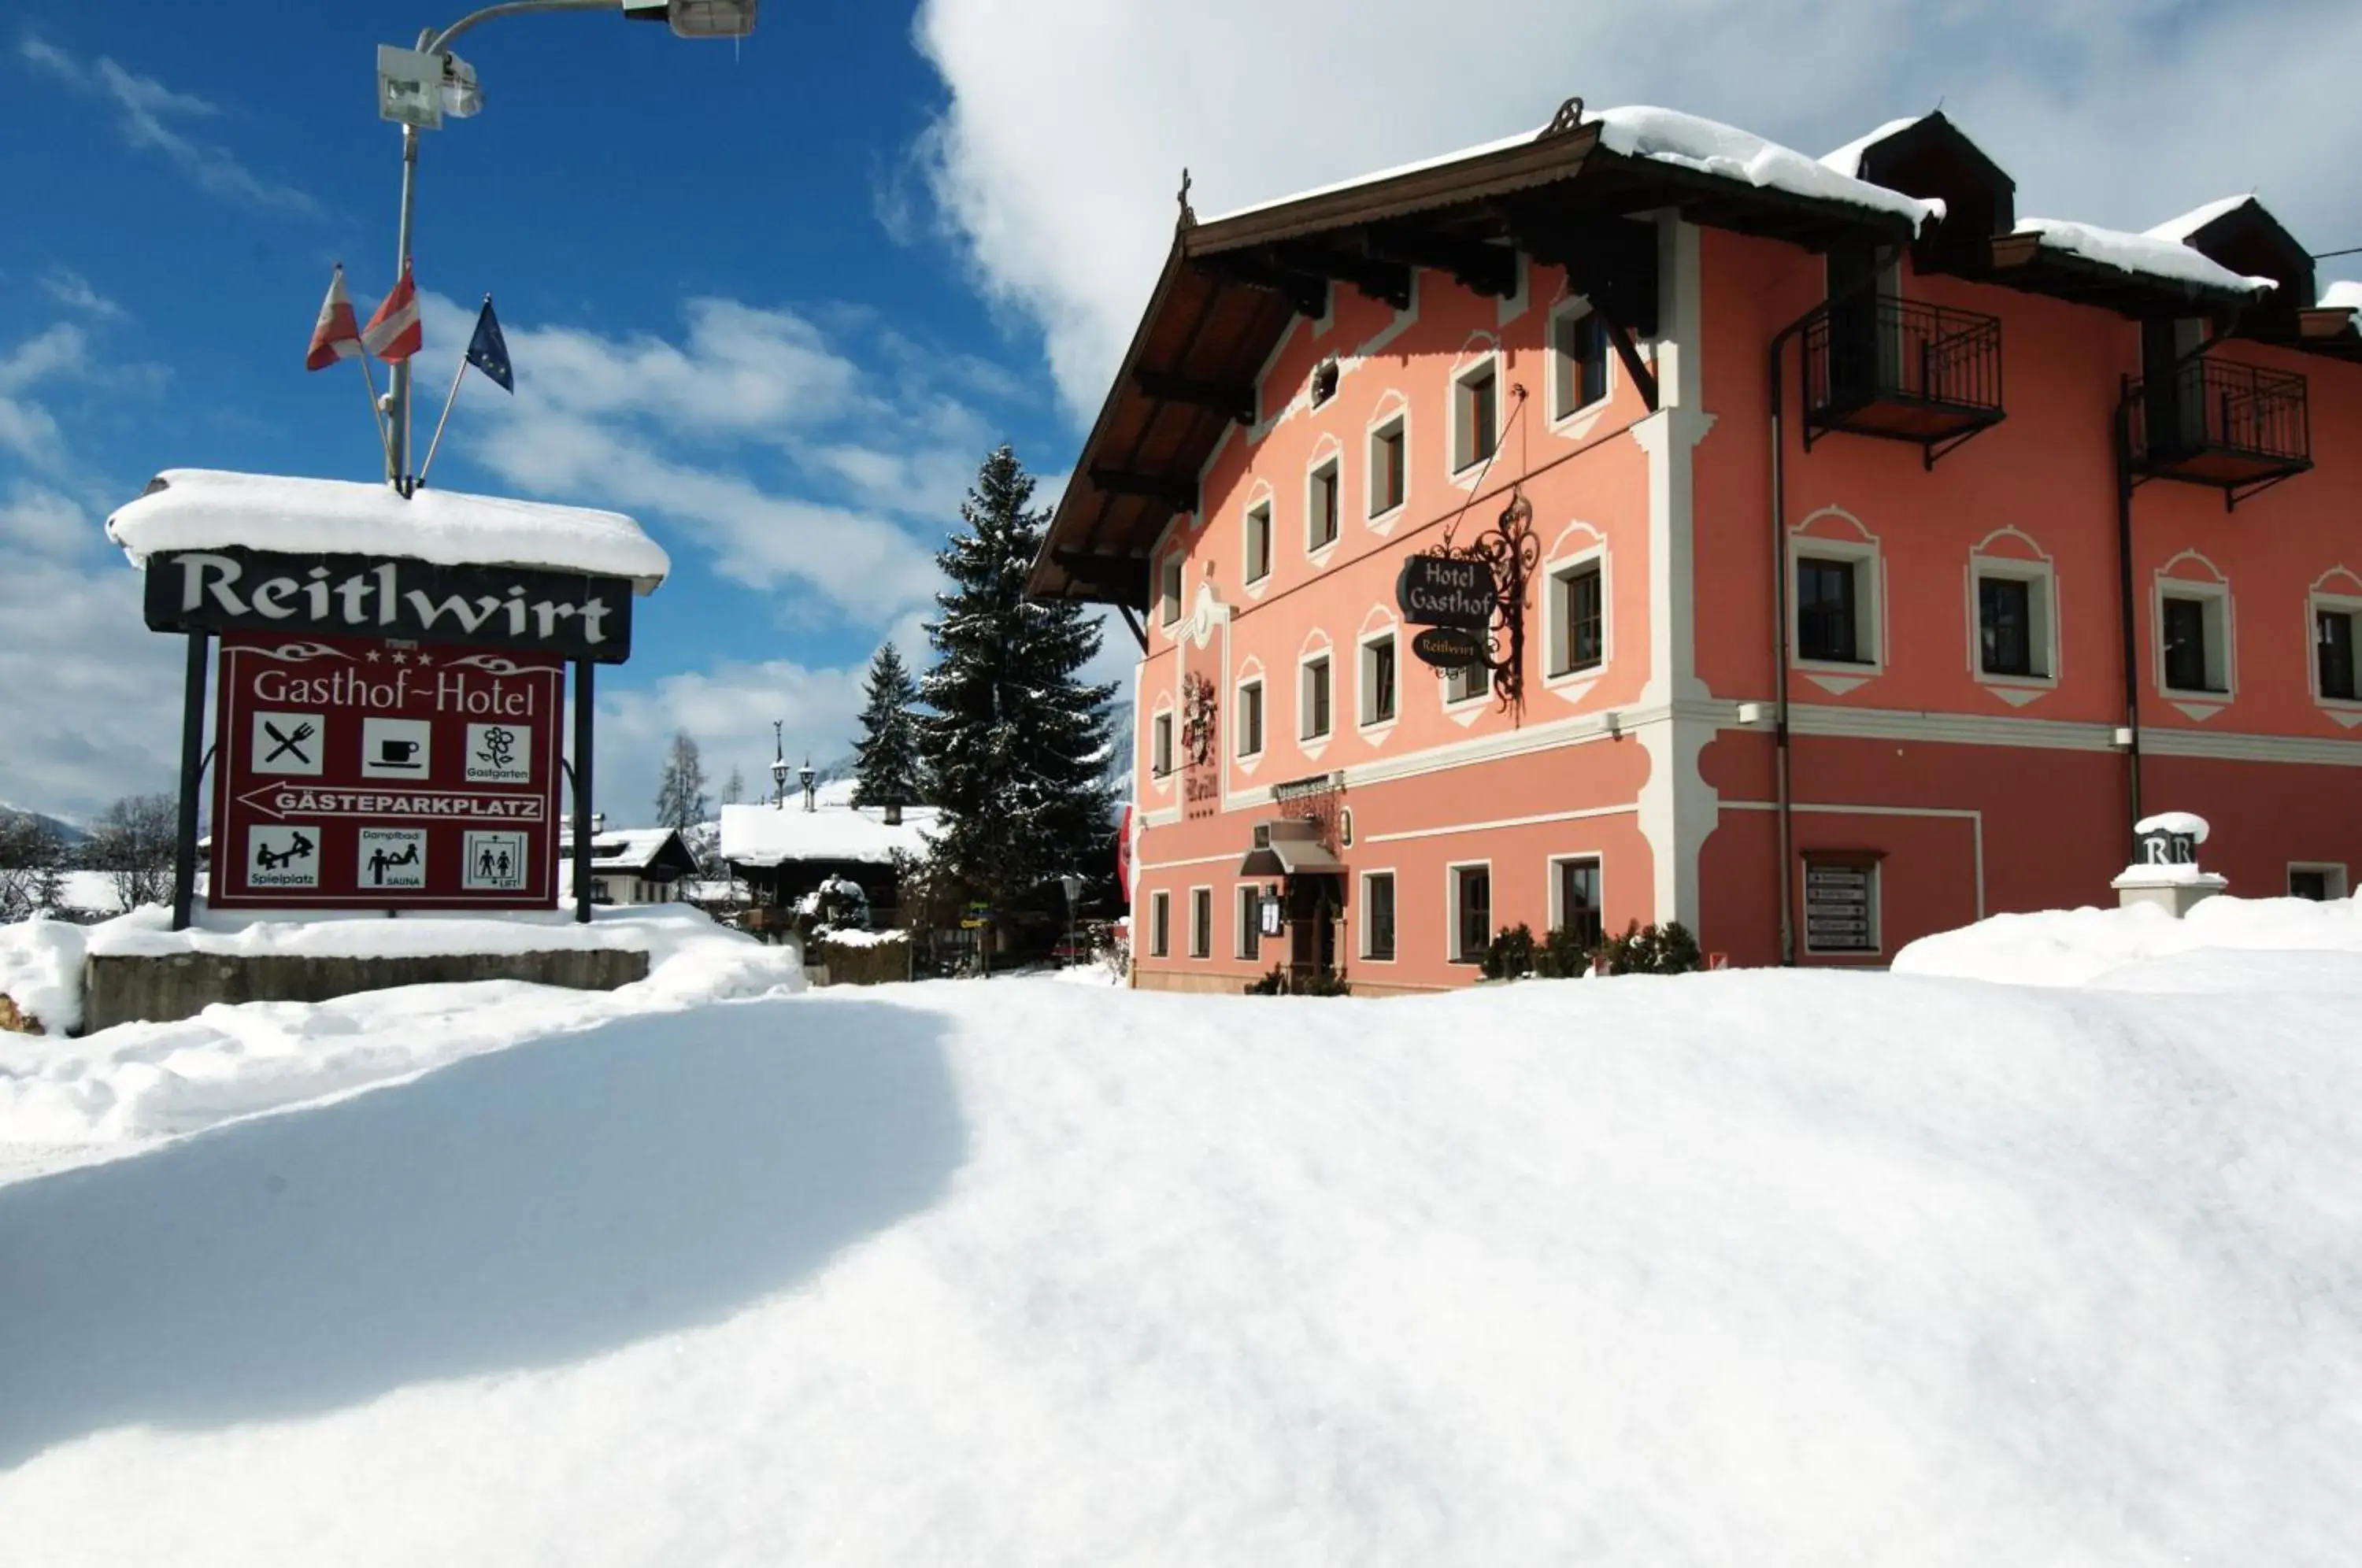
[44,520]
[729,710]
[70,288]
[28,429]
[146,110]
[1070,120]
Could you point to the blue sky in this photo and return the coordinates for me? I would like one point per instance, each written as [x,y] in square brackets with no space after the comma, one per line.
[778,299]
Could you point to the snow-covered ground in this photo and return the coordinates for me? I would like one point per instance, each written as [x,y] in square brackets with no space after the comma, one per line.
[1743,1267]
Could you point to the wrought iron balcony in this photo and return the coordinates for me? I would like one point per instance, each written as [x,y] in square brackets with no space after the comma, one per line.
[1902,371]
[2237,427]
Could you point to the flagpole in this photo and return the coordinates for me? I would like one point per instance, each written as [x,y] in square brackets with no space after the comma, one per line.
[377,414]
[449,398]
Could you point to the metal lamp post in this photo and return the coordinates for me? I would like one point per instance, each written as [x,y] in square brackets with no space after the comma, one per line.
[418,92]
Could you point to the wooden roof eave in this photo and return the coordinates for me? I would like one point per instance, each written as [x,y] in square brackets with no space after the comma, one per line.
[2022,262]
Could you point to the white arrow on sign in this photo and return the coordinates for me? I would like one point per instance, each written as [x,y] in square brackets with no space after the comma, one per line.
[280,802]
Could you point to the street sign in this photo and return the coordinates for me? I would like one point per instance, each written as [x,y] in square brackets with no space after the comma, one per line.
[1445,590]
[1449,647]
[354,773]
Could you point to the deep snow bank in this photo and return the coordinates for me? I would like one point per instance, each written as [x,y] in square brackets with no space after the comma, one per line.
[2073,947]
[1755,1267]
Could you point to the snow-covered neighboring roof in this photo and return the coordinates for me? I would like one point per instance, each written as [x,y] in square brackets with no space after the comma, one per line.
[835,830]
[1686,141]
[2342,295]
[1847,160]
[209,509]
[2180,230]
[623,849]
[2144,255]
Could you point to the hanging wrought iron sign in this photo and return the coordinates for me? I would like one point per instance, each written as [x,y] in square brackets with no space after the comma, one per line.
[1450,647]
[1501,561]
[1445,590]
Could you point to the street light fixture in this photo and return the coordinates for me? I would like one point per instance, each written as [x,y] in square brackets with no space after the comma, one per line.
[419,87]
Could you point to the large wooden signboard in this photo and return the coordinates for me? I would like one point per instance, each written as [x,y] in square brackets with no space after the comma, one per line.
[359,774]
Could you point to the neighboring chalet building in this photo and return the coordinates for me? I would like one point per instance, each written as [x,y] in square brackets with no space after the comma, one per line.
[784,851]
[1866,557]
[631,866]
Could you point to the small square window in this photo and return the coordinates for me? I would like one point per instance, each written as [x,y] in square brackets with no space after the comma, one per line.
[1578,619]
[1169,590]
[2013,609]
[1472,913]
[1378,683]
[1829,610]
[1320,508]
[1250,937]
[1378,915]
[1160,924]
[1161,749]
[1250,719]
[1315,698]
[1467,682]
[2333,653]
[1258,541]
[1578,361]
[1201,922]
[1386,473]
[2193,627]
[1476,416]
[1579,911]
[2320,882]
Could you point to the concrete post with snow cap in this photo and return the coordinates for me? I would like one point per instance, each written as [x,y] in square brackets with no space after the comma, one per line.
[2168,876]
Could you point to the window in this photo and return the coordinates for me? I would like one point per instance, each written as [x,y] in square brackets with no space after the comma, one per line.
[1320,508]
[1379,680]
[1467,682]
[1828,612]
[1250,939]
[1250,719]
[1259,541]
[2194,643]
[1578,360]
[1476,416]
[1201,922]
[1578,619]
[1161,751]
[1578,899]
[1386,476]
[2333,653]
[1169,590]
[1160,924]
[1314,702]
[1378,915]
[2014,600]
[2320,882]
[1472,913]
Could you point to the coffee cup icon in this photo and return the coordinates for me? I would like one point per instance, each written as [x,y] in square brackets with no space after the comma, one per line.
[397,753]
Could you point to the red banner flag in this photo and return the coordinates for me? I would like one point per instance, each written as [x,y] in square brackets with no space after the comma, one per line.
[393,333]
[337,335]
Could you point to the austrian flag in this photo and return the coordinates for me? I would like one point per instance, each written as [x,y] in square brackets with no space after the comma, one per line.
[393,333]
[337,335]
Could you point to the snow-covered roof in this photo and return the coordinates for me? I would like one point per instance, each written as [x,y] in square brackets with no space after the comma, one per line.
[625,849]
[2342,295]
[208,509]
[1686,141]
[1847,160]
[2180,230]
[835,830]
[2144,255]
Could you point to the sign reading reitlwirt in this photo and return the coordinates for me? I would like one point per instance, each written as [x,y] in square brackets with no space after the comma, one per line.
[564,615]
[361,774]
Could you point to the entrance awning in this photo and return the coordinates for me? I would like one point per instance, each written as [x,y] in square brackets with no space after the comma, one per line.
[1289,847]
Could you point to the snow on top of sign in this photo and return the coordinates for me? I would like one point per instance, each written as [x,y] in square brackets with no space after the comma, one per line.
[2180,230]
[2144,255]
[208,509]
[1687,141]
[1847,160]
[836,830]
[2174,821]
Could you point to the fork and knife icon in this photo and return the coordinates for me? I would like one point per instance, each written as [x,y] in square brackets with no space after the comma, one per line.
[287,742]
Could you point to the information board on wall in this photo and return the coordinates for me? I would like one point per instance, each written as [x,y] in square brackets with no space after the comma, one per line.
[1838,916]
[358,774]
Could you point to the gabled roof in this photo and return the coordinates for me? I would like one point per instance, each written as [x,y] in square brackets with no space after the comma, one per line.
[637,851]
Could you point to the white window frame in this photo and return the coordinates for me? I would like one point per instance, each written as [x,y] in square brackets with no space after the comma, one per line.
[2335,871]
[2222,637]
[1259,509]
[1456,435]
[1246,908]
[1160,924]
[1451,954]
[1383,519]
[1557,894]
[1171,588]
[1868,602]
[1560,365]
[1457,705]
[2315,601]
[1160,744]
[1330,457]
[1361,914]
[1557,626]
[1201,937]
[1362,719]
[1238,749]
[2042,611]
[1877,948]
[1305,737]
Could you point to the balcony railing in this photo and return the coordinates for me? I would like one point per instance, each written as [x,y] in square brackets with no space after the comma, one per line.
[2216,423]
[1902,370]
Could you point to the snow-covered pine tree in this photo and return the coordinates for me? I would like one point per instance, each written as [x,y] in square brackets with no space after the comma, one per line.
[734,792]
[681,801]
[886,758]
[1013,748]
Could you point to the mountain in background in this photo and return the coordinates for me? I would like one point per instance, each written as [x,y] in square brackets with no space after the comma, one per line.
[66,832]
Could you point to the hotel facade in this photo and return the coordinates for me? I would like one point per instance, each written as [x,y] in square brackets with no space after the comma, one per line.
[1862,559]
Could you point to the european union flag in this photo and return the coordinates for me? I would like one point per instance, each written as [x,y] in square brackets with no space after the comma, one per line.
[488,352]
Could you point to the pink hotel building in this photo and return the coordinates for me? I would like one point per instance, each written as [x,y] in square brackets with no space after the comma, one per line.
[1862,559]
